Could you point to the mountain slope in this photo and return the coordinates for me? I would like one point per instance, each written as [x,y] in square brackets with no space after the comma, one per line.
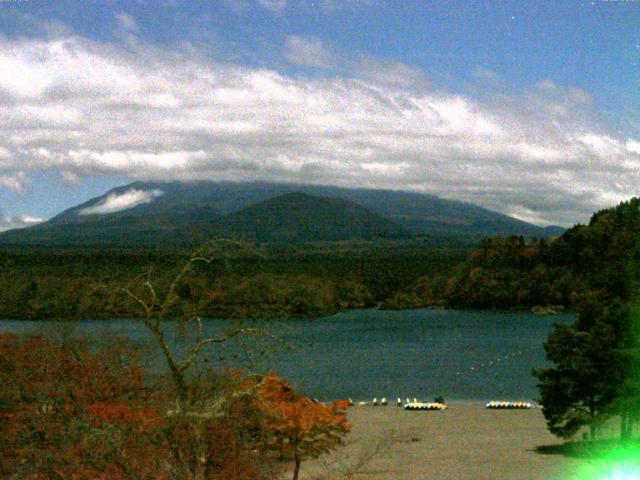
[177,212]
[298,217]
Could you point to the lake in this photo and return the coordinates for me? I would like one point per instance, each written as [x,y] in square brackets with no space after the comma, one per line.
[361,354]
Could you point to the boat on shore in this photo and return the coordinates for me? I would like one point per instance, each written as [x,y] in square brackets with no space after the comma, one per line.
[501,405]
[425,406]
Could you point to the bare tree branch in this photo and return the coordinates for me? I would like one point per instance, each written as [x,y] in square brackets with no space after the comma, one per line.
[152,290]
[141,302]
[207,341]
[158,307]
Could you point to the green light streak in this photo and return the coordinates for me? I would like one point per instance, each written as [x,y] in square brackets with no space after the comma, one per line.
[615,462]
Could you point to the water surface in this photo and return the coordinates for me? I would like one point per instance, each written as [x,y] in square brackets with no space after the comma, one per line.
[461,355]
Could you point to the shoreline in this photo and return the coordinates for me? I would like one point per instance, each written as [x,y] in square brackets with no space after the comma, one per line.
[515,310]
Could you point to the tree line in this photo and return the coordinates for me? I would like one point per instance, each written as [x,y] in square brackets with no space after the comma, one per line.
[515,273]
[596,372]
[593,269]
[77,284]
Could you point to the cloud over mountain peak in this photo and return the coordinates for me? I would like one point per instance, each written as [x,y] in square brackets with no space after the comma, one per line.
[80,107]
[117,202]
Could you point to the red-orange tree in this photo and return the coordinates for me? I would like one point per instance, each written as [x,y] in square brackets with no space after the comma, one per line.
[221,436]
[67,412]
[299,427]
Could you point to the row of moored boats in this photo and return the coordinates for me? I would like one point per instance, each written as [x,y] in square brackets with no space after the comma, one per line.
[509,405]
[408,405]
[417,405]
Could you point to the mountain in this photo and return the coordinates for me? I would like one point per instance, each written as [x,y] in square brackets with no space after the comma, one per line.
[150,213]
[297,217]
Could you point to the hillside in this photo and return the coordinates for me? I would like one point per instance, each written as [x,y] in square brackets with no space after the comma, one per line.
[299,217]
[152,213]
[586,262]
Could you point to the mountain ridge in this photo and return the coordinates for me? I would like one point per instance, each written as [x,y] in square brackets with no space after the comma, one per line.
[178,211]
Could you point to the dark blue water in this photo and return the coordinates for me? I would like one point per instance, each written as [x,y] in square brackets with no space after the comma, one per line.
[461,355]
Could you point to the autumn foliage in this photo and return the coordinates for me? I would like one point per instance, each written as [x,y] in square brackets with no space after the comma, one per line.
[71,412]
[300,427]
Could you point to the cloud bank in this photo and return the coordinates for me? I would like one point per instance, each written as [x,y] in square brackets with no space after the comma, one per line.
[83,108]
[117,202]
[18,221]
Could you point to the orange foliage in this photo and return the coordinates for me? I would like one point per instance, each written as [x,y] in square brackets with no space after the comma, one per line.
[143,419]
[216,295]
[68,412]
[300,428]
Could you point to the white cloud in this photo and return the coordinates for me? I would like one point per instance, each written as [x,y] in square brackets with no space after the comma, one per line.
[83,108]
[390,74]
[70,178]
[116,202]
[5,153]
[527,215]
[14,182]
[633,146]
[275,5]
[126,22]
[327,6]
[18,221]
[307,52]
[132,161]
[601,145]
[126,29]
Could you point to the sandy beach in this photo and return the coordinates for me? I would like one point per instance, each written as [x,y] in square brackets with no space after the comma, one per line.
[466,441]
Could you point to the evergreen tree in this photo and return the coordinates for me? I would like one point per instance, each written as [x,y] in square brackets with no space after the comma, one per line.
[590,369]
[627,403]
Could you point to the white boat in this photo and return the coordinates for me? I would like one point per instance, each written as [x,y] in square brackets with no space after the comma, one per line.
[425,406]
[502,405]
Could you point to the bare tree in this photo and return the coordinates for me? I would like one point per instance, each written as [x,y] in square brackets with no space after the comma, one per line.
[157,309]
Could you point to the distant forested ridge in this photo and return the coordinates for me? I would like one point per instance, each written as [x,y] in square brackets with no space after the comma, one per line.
[305,281]
[324,249]
[585,260]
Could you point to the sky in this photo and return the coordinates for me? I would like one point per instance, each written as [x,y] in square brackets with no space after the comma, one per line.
[530,108]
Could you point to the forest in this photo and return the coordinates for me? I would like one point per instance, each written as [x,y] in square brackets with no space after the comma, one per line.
[70,410]
[249,282]
[322,278]
[511,272]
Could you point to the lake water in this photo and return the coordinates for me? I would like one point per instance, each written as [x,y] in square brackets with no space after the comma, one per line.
[361,354]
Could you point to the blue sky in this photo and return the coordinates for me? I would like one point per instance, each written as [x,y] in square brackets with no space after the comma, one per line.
[527,107]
